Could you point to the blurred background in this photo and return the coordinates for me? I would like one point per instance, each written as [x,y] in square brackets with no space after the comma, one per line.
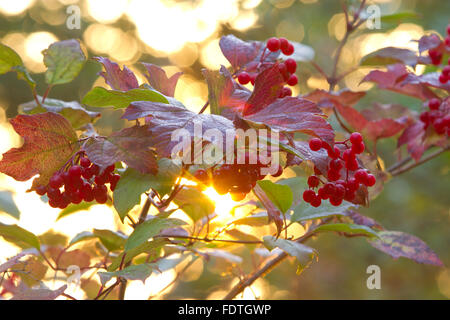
[183,36]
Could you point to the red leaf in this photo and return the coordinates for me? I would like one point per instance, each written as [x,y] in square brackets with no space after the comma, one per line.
[398,244]
[429,79]
[237,51]
[292,114]
[49,141]
[117,79]
[158,79]
[319,158]
[391,80]
[268,85]
[326,99]
[413,137]
[391,55]
[130,145]
[428,42]
[363,220]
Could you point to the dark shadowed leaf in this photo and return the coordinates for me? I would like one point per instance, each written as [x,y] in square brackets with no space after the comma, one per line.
[194,203]
[64,61]
[292,114]
[8,205]
[49,141]
[280,195]
[304,254]
[159,81]
[398,244]
[19,236]
[71,110]
[118,79]
[130,145]
[101,97]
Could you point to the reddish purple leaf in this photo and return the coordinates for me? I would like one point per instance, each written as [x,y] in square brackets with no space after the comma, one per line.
[292,114]
[428,42]
[237,51]
[391,80]
[397,112]
[398,244]
[49,141]
[413,137]
[363,220]
[326,99]
[429,79]
[159,81]
[39,293]
[116,78]
[164,119]
[319,158]
[130,145]
[391,55]
[268,85]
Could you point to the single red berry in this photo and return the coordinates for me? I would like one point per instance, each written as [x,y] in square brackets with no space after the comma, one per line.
[370,180]
[53,193]
[273,44]
[41,190]
[85,162]
[101,198]
[349,195]
[339,191]
[358,148]
[244,78]
[434,104]
[335,201]
[424,117]
[447,41]
[356,138]
[316,202]
[352,184]
[446,71]
[309,195]
[284,43]
[443,79]
[286,92]
[75,171]
[361,176]
[313,181]
[317,172]
[352,164]
[95,169]
[293,80]
[56,181]
[201,175]
[315,144]
[336,164]
[53,203]
[323,194]
[288,50]
[333,175]
[439,126]
[291,65]
[76,197]
[86,173]
[448,29]
[110,168]
[347,154]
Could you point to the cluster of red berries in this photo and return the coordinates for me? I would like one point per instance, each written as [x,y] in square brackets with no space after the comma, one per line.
[439,119]
[236,179]
[341,164]
[436,59]
[287,68]
[85,181]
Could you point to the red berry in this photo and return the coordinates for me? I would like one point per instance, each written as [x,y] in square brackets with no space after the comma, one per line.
[443,79]
[447,41]
[358,148]
[351,164]
[53,193]
[201,175]
[349,195]
[316,202]
[56,181]
[352,184]
[75,171]
[446,71]
[335,201]
[288,50]
[313,181]
[339,191]
[333,175]
[286,92]
[434,104]
[244,78]
[309,195]
[448,29]
[315,144]
[76,197]
[41,190]
[110,168]
[291,65]
[293,80]
[317,172]
[284,43]
[439,126]
[361,176]
[424,117]
[85,162]
[370,180]
[273,44]
[86,173]
[336,164]
[356,138]
[347,154]
[322,193]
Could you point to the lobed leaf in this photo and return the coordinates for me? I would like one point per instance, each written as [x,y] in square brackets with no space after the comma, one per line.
[118,79]
[159,81]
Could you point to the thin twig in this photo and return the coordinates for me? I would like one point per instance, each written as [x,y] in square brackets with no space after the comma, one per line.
[204,107]
[421,161]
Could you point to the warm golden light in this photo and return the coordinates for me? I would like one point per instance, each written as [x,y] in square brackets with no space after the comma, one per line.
[14,7]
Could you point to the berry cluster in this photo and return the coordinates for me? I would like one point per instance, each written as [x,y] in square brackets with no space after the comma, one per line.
[436,59]
[341,164]
[436,117]
[287,68]
[236,179]
[84,181]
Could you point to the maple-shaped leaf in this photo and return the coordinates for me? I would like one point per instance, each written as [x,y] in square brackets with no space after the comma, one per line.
[391,55]
[391,80]
[130,145]
[49,141]
[159,81]
[71,110]
[326,99]
[372,129]
[239,52]
[224,93]
[164,119]
[292,114]
[428,79]
[399,244]
[268,86]
[118,79]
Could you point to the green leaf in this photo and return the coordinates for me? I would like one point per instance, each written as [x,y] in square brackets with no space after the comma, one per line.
[297,185]
[111,240]
[256,220]
[8,59]
[64,61]
[146,247]
[399,17]
[71,110]
[280,195]
[305,211]
[194,203]
[82,236]
[133,183]
[135,272]
[19,236]
[390,55]
[101,97]
[8,205]
[149,229]
[72,208]
[347,228]
[304,254]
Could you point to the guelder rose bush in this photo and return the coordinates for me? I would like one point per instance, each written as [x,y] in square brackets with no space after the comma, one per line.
[255,129]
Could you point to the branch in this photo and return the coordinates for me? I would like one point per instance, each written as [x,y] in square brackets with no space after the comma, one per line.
[399,169]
